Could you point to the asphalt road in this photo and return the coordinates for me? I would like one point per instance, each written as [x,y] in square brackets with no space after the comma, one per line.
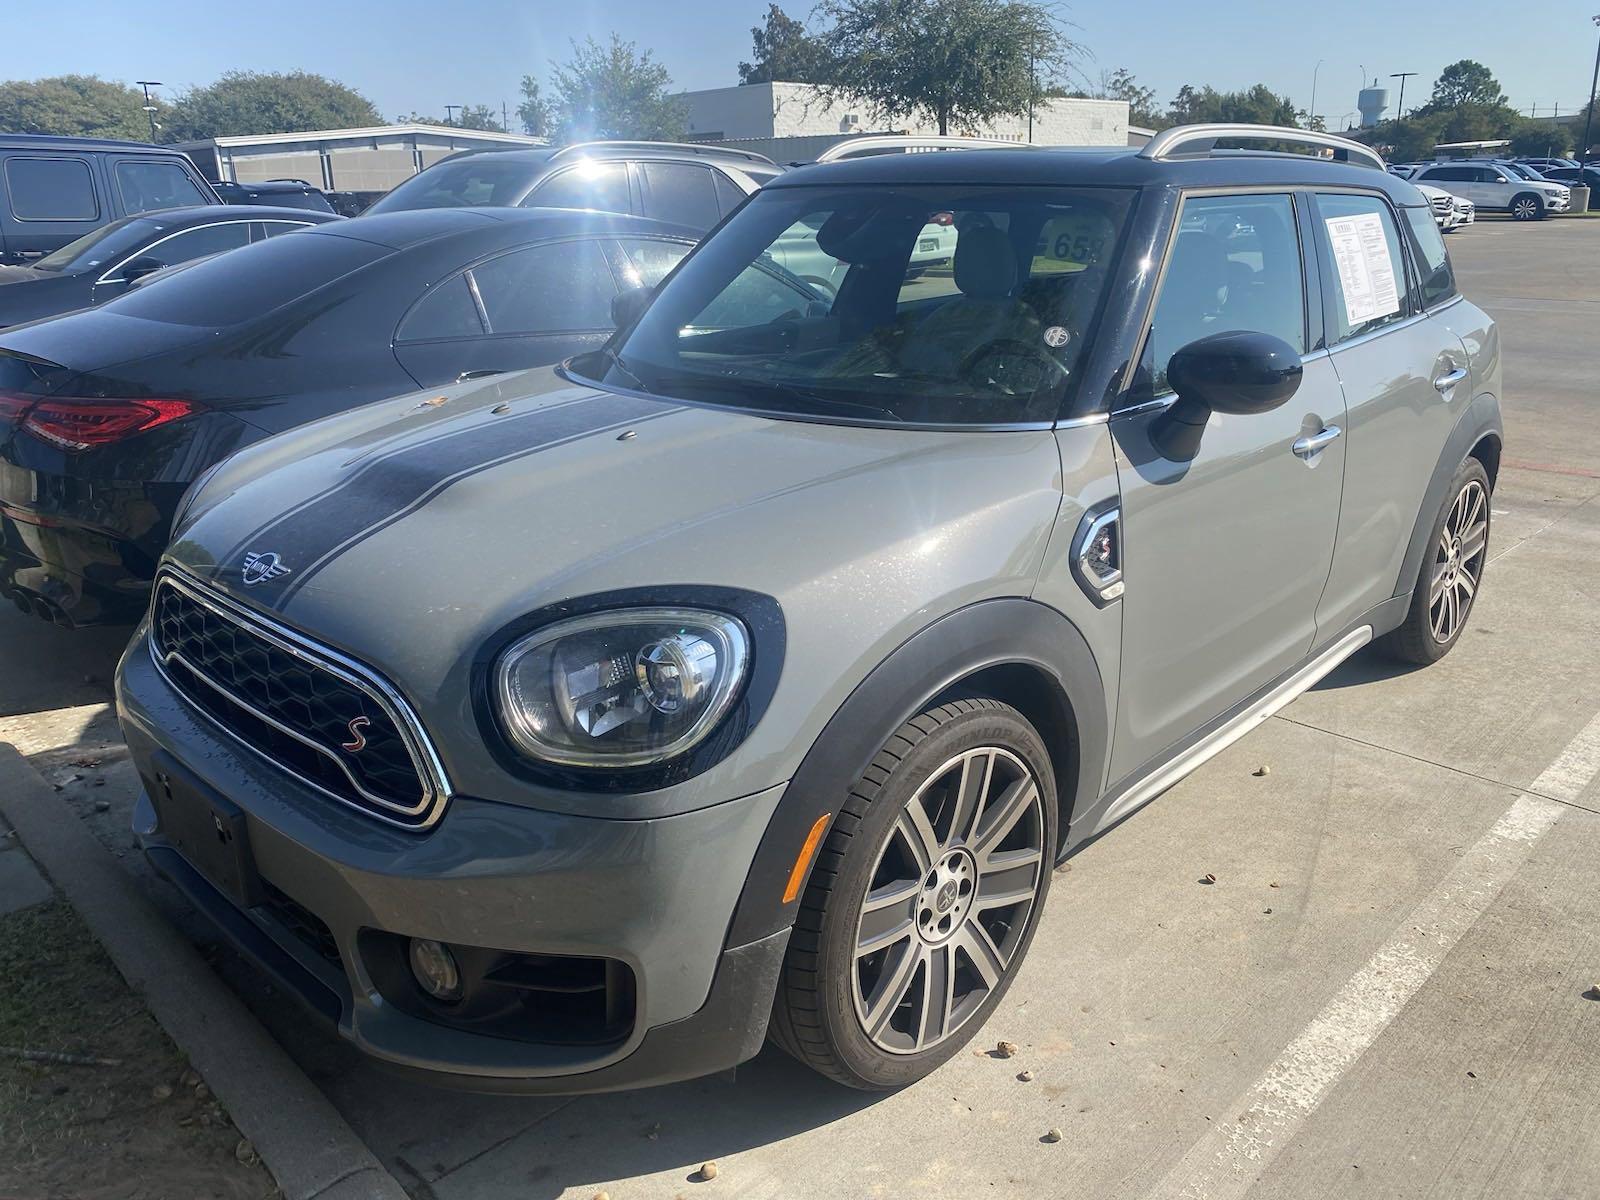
[1382,994]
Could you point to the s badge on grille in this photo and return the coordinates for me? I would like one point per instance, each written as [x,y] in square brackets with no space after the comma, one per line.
[258,568]
[358,740]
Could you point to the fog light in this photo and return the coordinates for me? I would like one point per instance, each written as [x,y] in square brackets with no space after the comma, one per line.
[435,969]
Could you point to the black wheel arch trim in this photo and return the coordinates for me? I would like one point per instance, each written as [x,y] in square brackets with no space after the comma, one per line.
[932,662]
[1478,421]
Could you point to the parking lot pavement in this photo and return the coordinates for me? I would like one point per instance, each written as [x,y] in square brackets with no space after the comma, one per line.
[1383,992]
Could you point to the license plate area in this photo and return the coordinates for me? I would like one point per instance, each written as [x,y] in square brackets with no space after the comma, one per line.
[208,829]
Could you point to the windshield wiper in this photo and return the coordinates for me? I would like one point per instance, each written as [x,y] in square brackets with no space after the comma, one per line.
[616,361]
[746,385]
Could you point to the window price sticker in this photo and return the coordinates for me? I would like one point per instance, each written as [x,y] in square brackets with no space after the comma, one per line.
[1366,272]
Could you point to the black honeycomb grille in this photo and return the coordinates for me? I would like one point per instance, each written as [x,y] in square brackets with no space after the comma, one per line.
[288,708]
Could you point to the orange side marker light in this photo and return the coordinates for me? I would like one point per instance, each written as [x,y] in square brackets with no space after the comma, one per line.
[808,851]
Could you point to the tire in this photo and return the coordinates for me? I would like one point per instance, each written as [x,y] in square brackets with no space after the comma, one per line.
[853,999]
[1451,573]
[1527,207]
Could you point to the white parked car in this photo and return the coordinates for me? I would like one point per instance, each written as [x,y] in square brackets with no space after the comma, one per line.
[1443,205]
[1492,186]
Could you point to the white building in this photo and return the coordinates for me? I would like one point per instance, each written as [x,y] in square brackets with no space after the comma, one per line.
[795,121]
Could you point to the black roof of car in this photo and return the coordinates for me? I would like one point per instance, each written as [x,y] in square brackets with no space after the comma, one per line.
[411,227]
[210,214]
[46,141]
[1116,167]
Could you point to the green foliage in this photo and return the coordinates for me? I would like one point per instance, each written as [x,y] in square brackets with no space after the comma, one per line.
[613,91]
[73,106]
[1544,139]
[534,111]
[473,116]
[1258,105]
[956,63]
[1466,82]
[1121,85]
[784,52]
[249,102]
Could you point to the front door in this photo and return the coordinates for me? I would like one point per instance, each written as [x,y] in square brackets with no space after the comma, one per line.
[1225,554]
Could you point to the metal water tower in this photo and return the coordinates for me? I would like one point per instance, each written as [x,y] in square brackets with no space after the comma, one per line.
[1372,101]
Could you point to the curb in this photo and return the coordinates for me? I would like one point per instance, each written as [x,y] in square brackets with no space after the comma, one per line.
[311,1151]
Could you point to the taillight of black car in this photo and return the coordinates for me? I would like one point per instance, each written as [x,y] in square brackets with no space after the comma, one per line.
[75,423]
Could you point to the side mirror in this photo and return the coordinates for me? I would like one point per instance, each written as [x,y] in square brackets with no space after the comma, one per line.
[627,307]
[139,267]
[1241,373]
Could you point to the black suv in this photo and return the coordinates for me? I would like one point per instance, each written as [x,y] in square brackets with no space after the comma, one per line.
[693,186]
[53,190]
[276,193]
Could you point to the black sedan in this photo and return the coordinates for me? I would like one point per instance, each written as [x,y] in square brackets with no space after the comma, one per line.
[107,415]
[107,262]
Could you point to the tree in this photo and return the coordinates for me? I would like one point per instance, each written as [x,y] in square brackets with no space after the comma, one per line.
[612,91]
[73,106]
[473,116]
[534,111]
[955,63]
[1544,139]
[249,102]
[1466,82]
[1258,105]
[784,52]
[1121,85]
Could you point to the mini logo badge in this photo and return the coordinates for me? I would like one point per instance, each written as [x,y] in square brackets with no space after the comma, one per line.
[258,568]
[358,740]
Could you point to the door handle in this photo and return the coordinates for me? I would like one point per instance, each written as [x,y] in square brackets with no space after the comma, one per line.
[1449,379]
[466,375]
[1314,443]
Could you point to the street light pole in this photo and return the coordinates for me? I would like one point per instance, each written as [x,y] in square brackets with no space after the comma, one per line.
[149,104]
[449,113]
[1311,117]
[1588,121]
[1402,76]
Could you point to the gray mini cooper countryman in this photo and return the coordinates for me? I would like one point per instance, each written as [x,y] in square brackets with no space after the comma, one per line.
[581,728]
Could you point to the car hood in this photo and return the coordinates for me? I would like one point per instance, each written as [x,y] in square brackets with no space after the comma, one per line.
[408,532]
[15,274]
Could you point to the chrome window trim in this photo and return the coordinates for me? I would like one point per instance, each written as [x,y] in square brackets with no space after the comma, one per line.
[436,787]
[245,221]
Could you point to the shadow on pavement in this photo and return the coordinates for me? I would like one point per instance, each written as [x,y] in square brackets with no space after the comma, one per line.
[43,666]
[1367,666]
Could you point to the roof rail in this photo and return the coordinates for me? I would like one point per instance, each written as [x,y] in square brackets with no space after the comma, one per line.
[1198,141]
[681,147]
[865,145]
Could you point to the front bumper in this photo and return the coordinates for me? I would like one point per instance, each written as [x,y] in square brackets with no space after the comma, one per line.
[654,895]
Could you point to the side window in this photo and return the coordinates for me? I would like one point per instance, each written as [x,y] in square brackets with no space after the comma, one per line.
[51,189]
[681,193]
[761,294]
[1235,265]
[1488,175]
[562,286]
[600,185]
[729,194]
[268,229]
[192,244]
[1362,262]
[1438,281]
[649,261]
[449,311]
[151,185]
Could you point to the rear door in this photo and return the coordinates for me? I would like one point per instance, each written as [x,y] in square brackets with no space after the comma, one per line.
[145,183]
[679,193]
[1404,375]
[528,307]
[600,185]
[46,201]
[1224,554]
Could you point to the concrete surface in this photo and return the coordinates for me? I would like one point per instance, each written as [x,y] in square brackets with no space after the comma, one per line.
[1385,993]
[21,885]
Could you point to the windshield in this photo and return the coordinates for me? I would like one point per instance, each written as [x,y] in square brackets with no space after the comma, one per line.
[459,182]
[931,304]
[105,244]
[1524,172]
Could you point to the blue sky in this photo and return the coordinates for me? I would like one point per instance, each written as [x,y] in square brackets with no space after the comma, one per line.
[410,54]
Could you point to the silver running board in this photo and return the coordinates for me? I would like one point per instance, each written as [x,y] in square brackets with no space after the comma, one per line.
[1223,736]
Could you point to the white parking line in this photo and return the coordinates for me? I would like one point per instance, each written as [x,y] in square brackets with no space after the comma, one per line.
[1227,1161]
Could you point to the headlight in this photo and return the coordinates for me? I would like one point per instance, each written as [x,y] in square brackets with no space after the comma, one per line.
[623,688]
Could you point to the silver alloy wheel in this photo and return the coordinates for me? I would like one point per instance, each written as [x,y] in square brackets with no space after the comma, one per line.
[1525,208]
[1458,561]
[948,900]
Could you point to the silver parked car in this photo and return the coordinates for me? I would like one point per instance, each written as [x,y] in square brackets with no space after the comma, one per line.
[577,729]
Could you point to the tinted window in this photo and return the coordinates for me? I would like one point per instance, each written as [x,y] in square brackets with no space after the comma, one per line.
[267,229]
[649,261]
[310,201]
[729,194]
[1488,175]
[448,311]
[1449,174]
[105,245]
[752,319]
[193,244]
[600,185]
[1438,281]
[681,193]
[1361,259]
[456,182]
[544,289]
[149,185]
[1235,265]
[51,189]
[254,281]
